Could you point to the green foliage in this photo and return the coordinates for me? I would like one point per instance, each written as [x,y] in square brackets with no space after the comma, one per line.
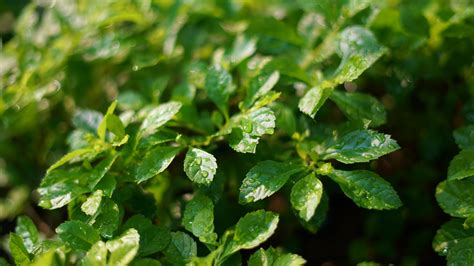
[221,116]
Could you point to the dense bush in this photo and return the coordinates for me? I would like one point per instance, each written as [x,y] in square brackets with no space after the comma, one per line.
[223,132]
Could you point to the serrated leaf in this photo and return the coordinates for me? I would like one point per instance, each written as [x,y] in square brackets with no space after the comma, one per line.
[77,235]
[18,250]
[242,141]
[91,205]
[198,218]
[462,165]
[289,260]
[313,100]
[200,166]
[96,256]
[154,162]
[124,248]
[219,87]
[456,198]
[27,230]
[272,257]
[306,195]
[261,121]
[158,116]
[462,253]
[358,49]
[360,146]
[464,137]
[367,189]
[361,108]
[253,229]
[153,238]
[264,179]
[449,235]
[181,248]
[260,85]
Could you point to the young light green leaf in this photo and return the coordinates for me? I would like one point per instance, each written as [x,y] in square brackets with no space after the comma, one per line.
[464,137]
[181,248]
[91,205]
[96,256]
[367,189]
[456,198]
[158,116]
[462,253]
[289,260]
[253,229]
[358,49]
[18,250]
[124,248]
[198,218]
[50,257]
[154,162]
[264,179]
[360,146]
[26,229]
[200,166]
[219,87]
[70,156]
[107,218]
[273,257]
[115,125]
[361,108]
[462,165]
[77,235]
[306,195]
[449,235]
[260,85]
[313,100]
[153,238]
[101,129]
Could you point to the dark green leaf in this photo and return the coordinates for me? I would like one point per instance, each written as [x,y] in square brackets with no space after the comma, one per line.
[306,195]
[181,248]
[449,235]
[313,100]
[367,189]
[154,162]
[456,197]
[462,165]
[253,229]
[77,235]
[462,253]
[153,238]
[219,87]
[26,229]
[264,179]
[464,137]
[123,248]
[198,218]
[158,116]
[96,256]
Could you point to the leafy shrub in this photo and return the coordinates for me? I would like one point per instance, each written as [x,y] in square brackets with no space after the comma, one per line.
[215,109]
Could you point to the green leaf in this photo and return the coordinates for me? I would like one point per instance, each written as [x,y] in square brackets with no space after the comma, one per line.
[70,156]
[181,248]
[200,166]
[158,116]
[26,229]
[273,257]
[77,235]
[99,171]
[219,87]
[306,195]
[242,48]
[449,235]
[48,258]
[153,238]
[367,189]
[289,260]
[253,229]
[319,217]
[96,256]
[264,179]
[18,250]
[146,262]
[462,165]
[242,141]
[313,100]
[101,129]
[361,108]
[456,198]
[198,218]
[358,49]
[124,248]
[107,218]
[59,187]
[260,85]
[87,120]
[115,125]
[462,253]
[91,205]
[154,162]
[464,137]
[360,146]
